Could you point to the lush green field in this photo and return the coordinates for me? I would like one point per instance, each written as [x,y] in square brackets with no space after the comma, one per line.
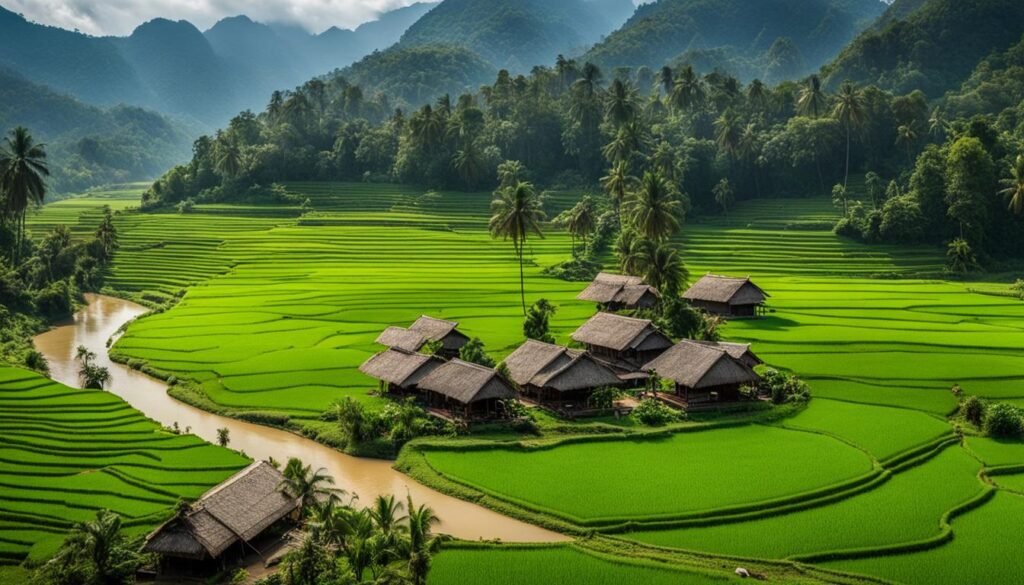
[987,548]
[280,310]
[556,564]
[66,453]
[683,473]
[83,213]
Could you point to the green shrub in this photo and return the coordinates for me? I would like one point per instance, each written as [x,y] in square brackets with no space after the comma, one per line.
[579,269]
[783,387]
[973,410]
[655,413]
[1004,421]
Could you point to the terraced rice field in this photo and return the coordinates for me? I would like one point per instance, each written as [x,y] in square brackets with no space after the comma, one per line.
[66,453]
[280,310]
[644,479]
[81,214]
[555,564]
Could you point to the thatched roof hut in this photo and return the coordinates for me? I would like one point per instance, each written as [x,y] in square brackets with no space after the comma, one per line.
[423,330]
[724,295]
[399,368]
[466,383]
[543,367]
[617,292]
[695,366]
[238,510]
[738,351]
[624,343]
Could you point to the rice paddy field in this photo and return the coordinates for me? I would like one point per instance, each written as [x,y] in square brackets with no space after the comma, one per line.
[66,453]
[274,312]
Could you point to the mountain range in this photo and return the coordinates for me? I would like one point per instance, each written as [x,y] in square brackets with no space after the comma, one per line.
[173,67]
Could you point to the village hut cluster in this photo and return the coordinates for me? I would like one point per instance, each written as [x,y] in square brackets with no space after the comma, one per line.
[615,351]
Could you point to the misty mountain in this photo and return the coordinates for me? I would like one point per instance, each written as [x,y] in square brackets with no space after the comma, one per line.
[174,68]
[518,34]
[740,36]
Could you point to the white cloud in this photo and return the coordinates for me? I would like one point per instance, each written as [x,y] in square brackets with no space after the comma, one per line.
[120,17]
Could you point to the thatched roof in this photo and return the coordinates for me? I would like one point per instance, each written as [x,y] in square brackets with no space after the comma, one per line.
[724,289]
[466,383]
[399,367]
[551,366]
[434,329]
[239,509]
[696,365]
[617,288]
[621,333]
[738,351]
[401,338]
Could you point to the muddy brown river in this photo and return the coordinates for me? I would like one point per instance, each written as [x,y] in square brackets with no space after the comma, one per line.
[98,322]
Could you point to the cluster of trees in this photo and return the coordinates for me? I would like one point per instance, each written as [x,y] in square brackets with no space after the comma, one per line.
[999,419]
[389,542]
[39,280]
[381,432]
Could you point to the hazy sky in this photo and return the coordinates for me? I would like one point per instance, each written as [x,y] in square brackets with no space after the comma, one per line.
[120,17]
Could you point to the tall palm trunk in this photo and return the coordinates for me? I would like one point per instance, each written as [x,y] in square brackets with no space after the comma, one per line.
[522,280]
[846,178]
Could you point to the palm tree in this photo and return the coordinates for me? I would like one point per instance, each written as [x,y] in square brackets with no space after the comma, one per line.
[665,80]
[749,149]
[725,196]
[873,182]
[654,210]
[469,163]
[728,133]
[95,552]
[228,158]
[514,215]
[906,135]
[422,542]
[618,183]
[308,486]
[621,104]
[757,95]
[582,221]
[937,123]
[589,82]
[812,100]
[23,173]
[851,112]
[1015,186]
[106,235]
[624,249]
[663,269]
[687,90]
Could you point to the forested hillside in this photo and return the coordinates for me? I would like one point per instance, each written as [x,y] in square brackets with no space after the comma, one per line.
[417,75]
[743,32]
[518,34]
[89,145]
[933,47]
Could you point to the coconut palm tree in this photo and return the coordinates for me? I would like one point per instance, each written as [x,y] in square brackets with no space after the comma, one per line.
[937,123]
[665,80]
[749,150]
[309,486]
[515,214]
[1014,186]
[23,173]
[422,542]
[228,157]
[688,90]
[812,101]
[728,132]
[100,546]
[510,172]
[654,210]
[664,269]
[618,183]
[469,163]
[757,95]
[906,135]
[582,221]
[621,103]
[106,235]
[725,196]
[851,112]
